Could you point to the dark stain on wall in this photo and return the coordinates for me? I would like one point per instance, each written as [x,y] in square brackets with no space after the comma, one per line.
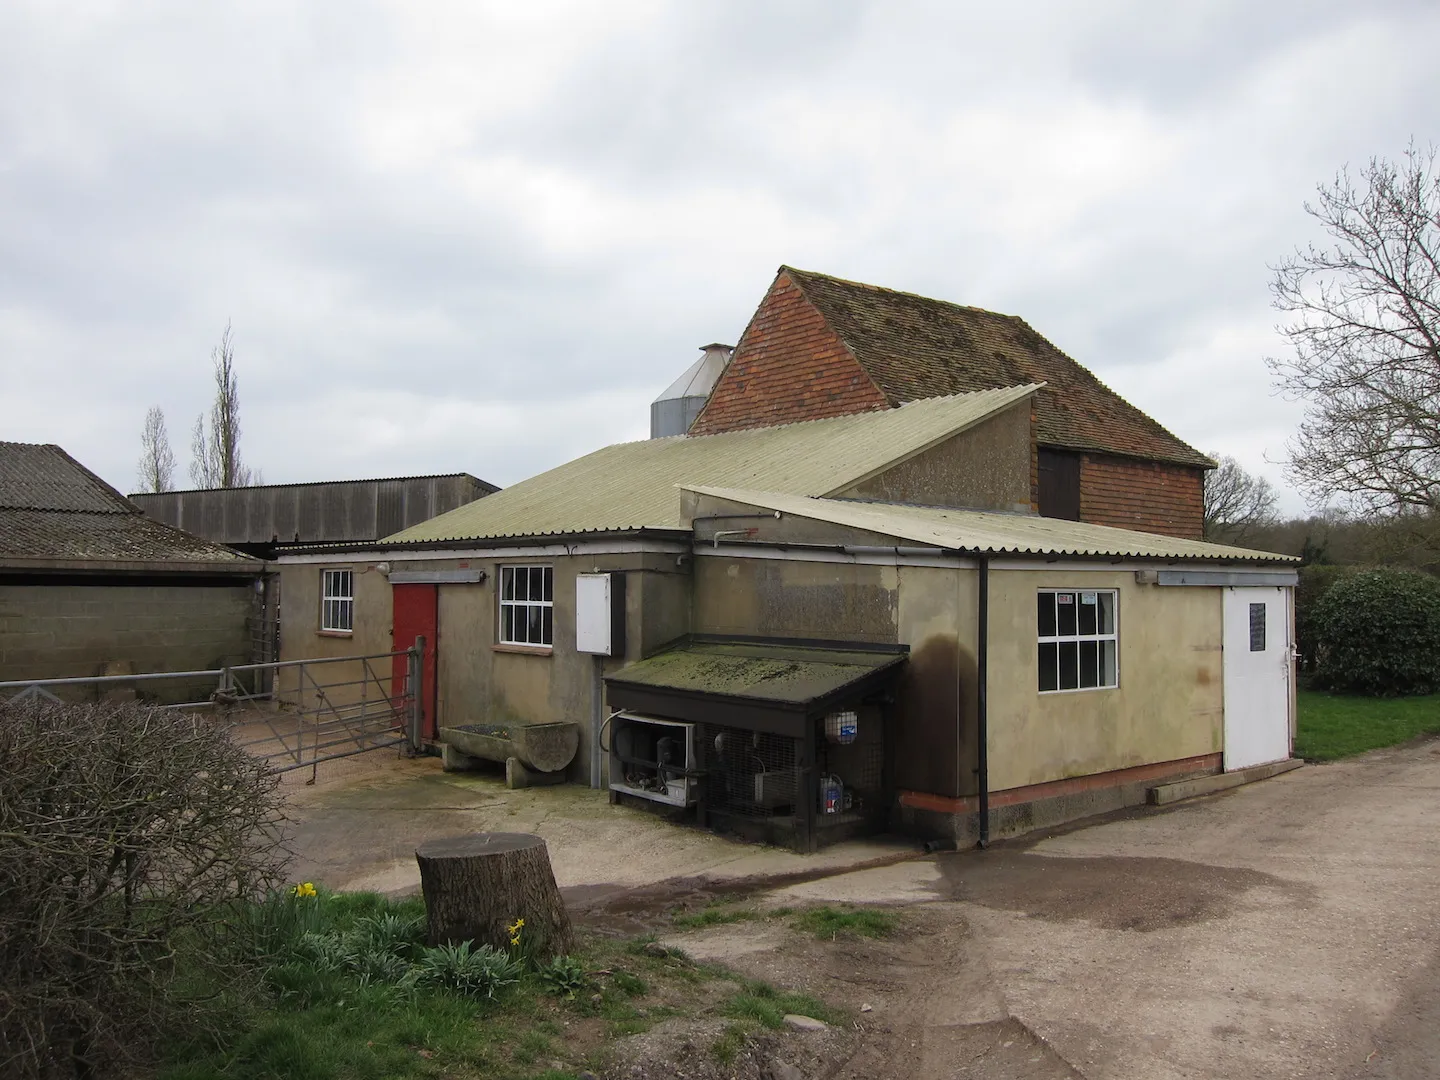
[843,610]
[937,700]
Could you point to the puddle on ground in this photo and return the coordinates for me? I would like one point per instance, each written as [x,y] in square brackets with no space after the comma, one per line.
[1112,892]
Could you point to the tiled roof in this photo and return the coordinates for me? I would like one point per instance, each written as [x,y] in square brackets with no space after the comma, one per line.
[53,508]
[998,534]
[634,485]
[914,347]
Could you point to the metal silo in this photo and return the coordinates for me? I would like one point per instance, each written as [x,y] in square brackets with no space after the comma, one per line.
[675,410]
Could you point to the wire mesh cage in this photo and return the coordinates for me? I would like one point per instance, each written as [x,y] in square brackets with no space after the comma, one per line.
[752,774]
[850,766]
[758,784]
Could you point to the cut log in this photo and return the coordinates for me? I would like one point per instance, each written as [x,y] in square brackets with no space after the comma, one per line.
[478,886]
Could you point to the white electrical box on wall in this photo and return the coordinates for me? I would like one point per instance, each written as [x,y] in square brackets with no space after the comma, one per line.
[600,614]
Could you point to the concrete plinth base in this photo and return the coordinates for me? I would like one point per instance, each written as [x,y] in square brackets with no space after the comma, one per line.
[1208,785]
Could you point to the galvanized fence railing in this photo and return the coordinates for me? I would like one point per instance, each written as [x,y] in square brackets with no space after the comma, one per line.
[295,714]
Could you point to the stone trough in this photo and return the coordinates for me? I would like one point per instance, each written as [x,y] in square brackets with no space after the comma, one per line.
[531,753]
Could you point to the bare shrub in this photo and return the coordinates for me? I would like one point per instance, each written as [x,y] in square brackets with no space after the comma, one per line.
[129,837]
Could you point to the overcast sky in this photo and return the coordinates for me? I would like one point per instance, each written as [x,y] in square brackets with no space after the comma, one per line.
[481,237]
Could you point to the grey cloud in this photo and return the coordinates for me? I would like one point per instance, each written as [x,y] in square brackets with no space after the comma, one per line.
[162,172]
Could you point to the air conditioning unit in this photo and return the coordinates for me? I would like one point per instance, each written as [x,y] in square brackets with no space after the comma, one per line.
[653,758]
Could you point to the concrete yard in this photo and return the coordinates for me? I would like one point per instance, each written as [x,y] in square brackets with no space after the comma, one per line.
[1289,928]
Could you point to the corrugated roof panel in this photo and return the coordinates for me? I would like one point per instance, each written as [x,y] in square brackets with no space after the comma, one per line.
[997,534]
[633,485]
[41,476]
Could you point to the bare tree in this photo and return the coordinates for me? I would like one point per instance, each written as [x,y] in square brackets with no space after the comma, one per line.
[1237,503]
[1365,329]
[157,460]
[215,453]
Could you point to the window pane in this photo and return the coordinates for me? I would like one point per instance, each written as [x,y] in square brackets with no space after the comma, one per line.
[507,583]
[1045,614]
[1107,663]
[347,615]
[1065,614]
[1048,678]
[1257,627]
[549,583]
[507,623]
[1107,613]
[1069,665]
[1088,606]
[347,589]
[537,628]
[549,637]
[1089,664]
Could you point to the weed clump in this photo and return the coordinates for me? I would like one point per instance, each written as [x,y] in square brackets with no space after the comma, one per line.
[829,922]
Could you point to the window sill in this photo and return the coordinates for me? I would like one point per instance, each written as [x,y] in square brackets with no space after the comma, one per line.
[335,633]
[524,650]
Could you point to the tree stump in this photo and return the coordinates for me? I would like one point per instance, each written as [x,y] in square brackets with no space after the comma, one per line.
[478,886]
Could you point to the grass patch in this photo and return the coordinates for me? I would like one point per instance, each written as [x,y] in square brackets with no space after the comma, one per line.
[830,923]
[763,1004]
[350,992]
[1330,726]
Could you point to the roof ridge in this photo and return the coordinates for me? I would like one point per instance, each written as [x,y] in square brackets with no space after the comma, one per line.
[896,292]
[321,483]
[842,416]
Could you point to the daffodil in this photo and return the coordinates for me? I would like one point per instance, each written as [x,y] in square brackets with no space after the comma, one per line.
[305,888]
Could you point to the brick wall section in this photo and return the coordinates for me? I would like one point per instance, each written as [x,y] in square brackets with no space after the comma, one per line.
[1141,495]
[1034,461]
[788,366]
[59,631]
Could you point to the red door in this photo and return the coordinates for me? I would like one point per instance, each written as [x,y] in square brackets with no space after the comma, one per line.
[417,611]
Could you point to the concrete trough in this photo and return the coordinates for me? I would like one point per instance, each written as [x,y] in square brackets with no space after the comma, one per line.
[532,754]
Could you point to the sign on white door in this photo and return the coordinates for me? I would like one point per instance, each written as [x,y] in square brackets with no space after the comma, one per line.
[1257,677]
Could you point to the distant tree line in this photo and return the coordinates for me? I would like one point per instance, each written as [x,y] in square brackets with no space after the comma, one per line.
[215,458]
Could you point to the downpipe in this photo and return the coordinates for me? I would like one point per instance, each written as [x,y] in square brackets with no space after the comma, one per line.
[982,722]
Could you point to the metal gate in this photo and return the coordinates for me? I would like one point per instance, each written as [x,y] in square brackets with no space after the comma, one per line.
[294,714]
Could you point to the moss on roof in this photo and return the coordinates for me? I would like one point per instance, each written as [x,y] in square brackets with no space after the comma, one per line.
[914,347]
[779,674]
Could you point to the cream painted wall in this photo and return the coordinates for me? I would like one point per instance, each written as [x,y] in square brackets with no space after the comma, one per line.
[1168,704]
[937,694]
[476,683]
[792,599]
[301,638]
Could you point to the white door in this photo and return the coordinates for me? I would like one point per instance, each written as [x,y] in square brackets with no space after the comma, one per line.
[1257,677]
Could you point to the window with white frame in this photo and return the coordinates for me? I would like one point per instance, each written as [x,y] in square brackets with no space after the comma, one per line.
[527,605]
[337,601]
[1077,640]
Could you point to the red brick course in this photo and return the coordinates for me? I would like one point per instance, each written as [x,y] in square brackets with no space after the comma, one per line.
[789,365]
[1143,495]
